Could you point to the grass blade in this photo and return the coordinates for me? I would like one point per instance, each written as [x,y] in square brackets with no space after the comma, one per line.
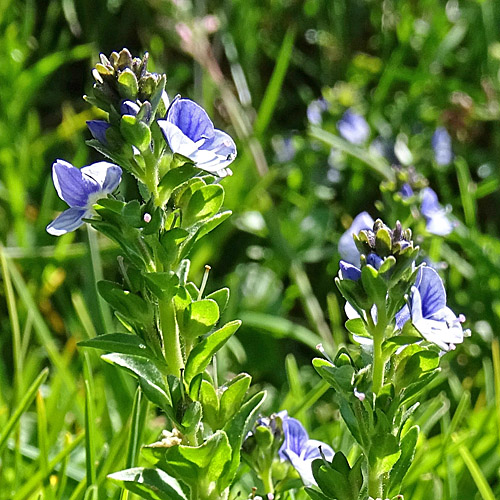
[274,88]
[475,472]
[23,406]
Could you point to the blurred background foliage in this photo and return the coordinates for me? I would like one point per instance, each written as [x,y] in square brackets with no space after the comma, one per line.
[408,67]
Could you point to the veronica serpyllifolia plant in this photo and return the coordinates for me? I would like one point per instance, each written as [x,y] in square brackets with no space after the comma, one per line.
[167,326]
[400,325]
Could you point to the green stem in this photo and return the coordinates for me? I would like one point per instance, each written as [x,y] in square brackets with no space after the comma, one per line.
[267,480]
[375,484]
[171,337]
[151,174]
[378,366]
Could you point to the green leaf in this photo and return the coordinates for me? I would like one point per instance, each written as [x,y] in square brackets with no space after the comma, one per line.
[135,132]
[199,318]
[203,352]
[340,378]
[164,285]
[233,394]
[132,306]
[221,297]
[149,376]
[212,223]
[357,327]
[317,495]
[131,213]
[332,481]
[121,343]
[191,418]
[210,402]
[408,445]
[204,203]
[151,484]
[116,206]
[171,242]
[373,284]
[174,178]
[212,456]
[127,84]
[236,430]
[384,451]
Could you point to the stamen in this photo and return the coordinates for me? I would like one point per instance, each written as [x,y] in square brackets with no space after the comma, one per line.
[204,281]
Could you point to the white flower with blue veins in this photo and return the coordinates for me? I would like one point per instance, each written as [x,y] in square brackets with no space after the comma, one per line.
[429,314]
[189,132]
[80,189]
[299,450]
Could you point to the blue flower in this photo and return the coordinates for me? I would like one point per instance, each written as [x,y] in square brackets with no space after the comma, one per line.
[353,127]
[299,450]
[98,129]
[315,111]
[129,108]
[189,132]
[347,248]
[436,216]
[80,189]
[428,312]
[441,143]
[406,190]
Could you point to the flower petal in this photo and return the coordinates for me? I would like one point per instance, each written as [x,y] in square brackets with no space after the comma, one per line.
[439,223]
[402,317]
[177,140]
[311,450]
[98,129]
[348,271]
[66,222]
[129,108]
[106,175]
[71,185]
[303,467]
[347,248]
[353,127]
[431,290]
[295,436]
[191,119]
[430,203]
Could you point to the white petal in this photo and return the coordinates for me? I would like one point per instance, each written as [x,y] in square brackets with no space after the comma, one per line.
[177,140]
[105,174]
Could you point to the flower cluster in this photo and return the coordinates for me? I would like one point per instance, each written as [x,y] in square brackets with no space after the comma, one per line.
[133,98]
[426,307]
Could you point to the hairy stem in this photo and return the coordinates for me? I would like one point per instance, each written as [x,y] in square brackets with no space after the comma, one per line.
[171,338]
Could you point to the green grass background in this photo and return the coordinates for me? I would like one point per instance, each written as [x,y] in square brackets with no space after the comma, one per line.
[408,66]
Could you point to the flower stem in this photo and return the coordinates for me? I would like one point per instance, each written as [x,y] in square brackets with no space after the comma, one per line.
[171,340]
[267,480]
[375,484]
[378,366]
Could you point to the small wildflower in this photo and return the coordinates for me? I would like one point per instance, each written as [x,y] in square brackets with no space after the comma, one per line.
[189,132]
[299,450]
[80,189]
[353,127]
[315,111]
[347,248]
[438,221]
[429,314]
[98,129]
[441,143]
